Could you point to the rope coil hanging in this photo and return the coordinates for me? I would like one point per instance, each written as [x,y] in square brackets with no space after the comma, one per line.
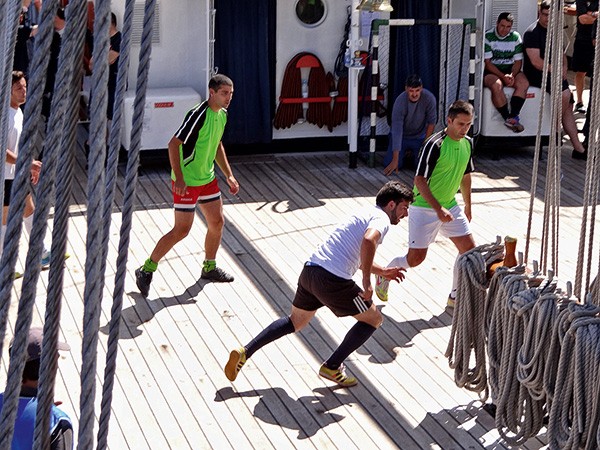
[467,334]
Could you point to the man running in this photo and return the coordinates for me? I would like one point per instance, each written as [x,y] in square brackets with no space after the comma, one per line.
[326,280]
[445,165]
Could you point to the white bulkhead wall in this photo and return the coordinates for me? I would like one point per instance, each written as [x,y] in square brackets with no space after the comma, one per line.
[181,57]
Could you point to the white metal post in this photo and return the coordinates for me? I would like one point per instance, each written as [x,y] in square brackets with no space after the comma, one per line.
[353,73]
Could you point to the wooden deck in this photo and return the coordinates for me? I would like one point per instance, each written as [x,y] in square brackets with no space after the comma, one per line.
[170,390]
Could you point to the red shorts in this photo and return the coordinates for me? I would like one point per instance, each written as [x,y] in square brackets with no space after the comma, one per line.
[194,194]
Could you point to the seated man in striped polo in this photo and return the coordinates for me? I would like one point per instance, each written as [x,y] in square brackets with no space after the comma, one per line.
[503,62]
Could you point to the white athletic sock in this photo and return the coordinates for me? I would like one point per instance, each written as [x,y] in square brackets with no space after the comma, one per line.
[399,261]
[28,224]
[454,277]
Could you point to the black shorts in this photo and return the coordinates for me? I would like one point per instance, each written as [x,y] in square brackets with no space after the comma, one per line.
[318,287]
[583,56]
[7,189]
[565,86]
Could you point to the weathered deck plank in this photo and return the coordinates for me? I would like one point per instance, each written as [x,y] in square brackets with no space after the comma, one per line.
[170,390]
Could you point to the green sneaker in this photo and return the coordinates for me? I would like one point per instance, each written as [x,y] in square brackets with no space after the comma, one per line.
[381,287]
[237,359]
[337,375]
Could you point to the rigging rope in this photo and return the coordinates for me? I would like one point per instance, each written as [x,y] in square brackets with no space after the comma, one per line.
[467,334]
[59,144]
[129,193]
[579,379]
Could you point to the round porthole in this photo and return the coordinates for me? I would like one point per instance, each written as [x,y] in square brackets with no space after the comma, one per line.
[311,12]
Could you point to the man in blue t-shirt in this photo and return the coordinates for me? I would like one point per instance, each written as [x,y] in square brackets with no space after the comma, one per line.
[61,428]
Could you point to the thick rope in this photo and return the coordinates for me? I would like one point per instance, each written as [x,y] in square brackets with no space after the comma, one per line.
[28,141]
[518,415]
[467,334]
[510,282]
[590,193]
[553,167]
[568,313]
[130,185]
[92,296]
[533,356]
[60,144]
[28,145]
[578,377]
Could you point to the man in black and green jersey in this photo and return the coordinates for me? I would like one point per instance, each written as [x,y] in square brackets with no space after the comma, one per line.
[503,63]
[445,165]
[193,150]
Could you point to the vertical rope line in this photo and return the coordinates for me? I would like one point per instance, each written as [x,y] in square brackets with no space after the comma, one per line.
[553,170]
[9,22]
[95,191]
[115,142]
[27,299]
[128,201]
[592,174]
[27,146]
[32,121]
[62,141]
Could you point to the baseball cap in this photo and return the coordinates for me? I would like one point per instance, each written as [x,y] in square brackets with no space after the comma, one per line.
[34,343]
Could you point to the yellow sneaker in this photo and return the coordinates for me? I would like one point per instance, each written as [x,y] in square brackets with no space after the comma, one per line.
[451,302]
[237,359]
[381,288]
[337,375]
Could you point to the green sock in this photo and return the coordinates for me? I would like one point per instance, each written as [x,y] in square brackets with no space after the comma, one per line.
[150,266]
[209,264]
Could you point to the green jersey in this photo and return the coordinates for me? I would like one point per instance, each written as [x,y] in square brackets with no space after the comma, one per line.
[200,134]
[443,162]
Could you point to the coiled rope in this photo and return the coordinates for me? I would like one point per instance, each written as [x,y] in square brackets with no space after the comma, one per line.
[467,334]
[519,416]
[576,402]
[505,283]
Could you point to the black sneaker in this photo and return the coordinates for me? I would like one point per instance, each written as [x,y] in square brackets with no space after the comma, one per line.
[580,108]
[217,275]
[143,280]
[579,155]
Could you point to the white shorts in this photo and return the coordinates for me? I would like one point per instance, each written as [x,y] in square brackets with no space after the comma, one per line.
[424,224]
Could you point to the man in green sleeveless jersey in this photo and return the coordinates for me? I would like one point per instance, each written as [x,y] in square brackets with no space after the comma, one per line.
[445,165]
[193,150]
[503,63]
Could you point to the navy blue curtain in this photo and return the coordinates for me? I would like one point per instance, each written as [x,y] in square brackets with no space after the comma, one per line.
[245,52]
[414,49]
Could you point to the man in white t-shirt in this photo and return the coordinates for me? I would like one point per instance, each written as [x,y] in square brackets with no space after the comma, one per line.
[326,280]
[18,96]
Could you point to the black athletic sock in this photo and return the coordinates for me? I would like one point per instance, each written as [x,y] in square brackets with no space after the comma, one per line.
[277,329]
[356,336]
[503,110]
[516,103]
